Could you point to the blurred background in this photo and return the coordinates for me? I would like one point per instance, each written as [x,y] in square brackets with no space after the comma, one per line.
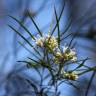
[79,14]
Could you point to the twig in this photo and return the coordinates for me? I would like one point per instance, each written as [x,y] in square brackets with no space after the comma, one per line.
[90,82]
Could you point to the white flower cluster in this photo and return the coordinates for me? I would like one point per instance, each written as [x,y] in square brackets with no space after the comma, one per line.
[47,41]
[69,75]
[66,55]
[50,43]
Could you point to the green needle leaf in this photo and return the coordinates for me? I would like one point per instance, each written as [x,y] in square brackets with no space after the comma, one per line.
[21,24]
[28,50]
[88,70]
[59,18]
[57,21]
[24,38]
[35,24]
[82,64]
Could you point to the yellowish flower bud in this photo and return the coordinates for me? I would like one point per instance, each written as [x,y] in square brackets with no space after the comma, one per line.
[70,75]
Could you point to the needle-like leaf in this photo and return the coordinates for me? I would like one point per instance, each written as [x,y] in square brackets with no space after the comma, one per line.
[28,50]
[24,38]
[35,24]
[59,18]
[82,65]
[57,21]
[21,24]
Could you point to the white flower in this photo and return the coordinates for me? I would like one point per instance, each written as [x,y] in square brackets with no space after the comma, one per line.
[65,48]
[40,41]
[74,59]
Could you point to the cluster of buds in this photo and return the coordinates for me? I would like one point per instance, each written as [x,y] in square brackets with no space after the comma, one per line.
[66,55]
[48,41]
[70,75]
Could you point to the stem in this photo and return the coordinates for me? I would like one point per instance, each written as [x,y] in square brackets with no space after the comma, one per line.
[56,88]
[91,69]
[90,82]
